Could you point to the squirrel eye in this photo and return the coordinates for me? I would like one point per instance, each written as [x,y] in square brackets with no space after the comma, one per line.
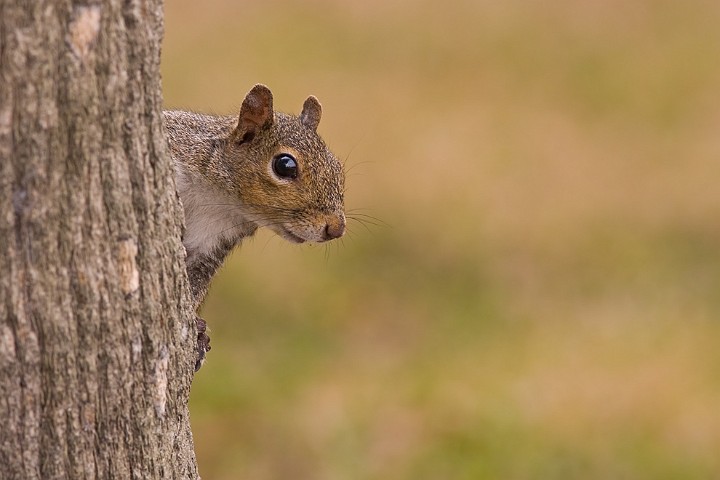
[285,166]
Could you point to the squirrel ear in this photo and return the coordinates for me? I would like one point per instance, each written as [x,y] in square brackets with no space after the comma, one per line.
[311,113]
[256,112]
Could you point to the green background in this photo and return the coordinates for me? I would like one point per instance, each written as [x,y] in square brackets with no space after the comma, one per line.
[537,293]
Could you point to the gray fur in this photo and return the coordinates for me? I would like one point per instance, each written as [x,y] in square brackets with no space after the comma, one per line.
[226,183]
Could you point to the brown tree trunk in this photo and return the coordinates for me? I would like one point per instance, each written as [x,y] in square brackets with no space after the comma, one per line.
[96,329]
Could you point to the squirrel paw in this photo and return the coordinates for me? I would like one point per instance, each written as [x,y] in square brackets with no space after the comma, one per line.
[203,342]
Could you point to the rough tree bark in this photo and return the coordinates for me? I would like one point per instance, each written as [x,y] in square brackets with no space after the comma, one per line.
[96,330]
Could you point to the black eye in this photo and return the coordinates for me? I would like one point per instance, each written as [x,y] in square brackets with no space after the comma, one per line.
[285,166]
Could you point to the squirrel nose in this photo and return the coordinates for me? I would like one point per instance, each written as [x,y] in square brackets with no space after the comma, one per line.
[335,228]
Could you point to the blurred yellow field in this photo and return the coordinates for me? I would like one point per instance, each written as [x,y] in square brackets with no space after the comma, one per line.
[536,291]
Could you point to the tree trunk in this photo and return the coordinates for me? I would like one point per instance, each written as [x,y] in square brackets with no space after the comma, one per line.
[96,329]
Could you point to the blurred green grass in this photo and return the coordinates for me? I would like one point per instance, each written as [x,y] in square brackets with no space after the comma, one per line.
[541,297]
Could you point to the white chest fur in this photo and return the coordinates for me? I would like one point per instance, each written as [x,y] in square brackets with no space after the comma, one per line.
[211,216]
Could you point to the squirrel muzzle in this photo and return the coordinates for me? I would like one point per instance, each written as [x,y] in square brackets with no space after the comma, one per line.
[335,227]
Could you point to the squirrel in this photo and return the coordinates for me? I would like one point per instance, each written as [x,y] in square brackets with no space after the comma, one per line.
[237,174]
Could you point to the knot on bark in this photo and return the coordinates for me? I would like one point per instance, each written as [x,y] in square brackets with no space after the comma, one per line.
[83,30]
[129,276]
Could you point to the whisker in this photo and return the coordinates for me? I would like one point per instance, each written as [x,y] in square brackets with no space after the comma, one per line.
[252,205]
[370,220]
[267,242]
[242,224]
[359,212]
[365,224]
[365,221]
[340,244]
[352,149]
[349,170]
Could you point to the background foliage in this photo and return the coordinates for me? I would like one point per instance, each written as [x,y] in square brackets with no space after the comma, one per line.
[540,297]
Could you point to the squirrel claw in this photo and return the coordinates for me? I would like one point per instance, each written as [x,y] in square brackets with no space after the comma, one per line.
[203,342]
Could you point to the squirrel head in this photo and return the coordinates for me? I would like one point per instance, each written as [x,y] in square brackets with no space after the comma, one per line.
[286,177]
